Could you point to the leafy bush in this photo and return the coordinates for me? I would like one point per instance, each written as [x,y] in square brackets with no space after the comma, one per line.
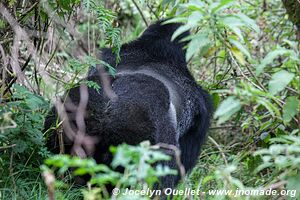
[21,139]
[246,53]
[139,165]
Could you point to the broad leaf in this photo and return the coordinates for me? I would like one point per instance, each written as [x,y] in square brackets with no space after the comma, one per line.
[238,54]
[269,59]
[219,6]
[248,21]
[290,108]
[183,29]
[241,47]
[228,107]
[279,81]
[198,43]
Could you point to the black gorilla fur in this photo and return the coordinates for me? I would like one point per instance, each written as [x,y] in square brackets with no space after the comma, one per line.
[158,100]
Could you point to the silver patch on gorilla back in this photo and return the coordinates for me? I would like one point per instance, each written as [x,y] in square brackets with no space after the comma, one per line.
[173,118]
[174,97]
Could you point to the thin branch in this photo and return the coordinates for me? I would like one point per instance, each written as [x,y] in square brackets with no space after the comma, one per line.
[152,11]
[50,181]
[242,73]
[7,147]
[177,157]
[224,127]
[141,13]
[276,185]
[5,62]
[15,78]
[28,11]
[219,148]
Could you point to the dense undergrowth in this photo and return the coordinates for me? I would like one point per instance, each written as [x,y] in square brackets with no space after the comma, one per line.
[245,53]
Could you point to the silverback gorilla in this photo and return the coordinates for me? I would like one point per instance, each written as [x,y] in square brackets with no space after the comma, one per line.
[158,100]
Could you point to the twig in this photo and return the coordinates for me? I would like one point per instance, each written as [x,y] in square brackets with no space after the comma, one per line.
[177,157]
[105,82]
[27,11]
[61,141]
[19,31]
[141,13]
[5,61]
[255,77]
[80,113]
[49,181]
[15,78]
[279,102]
[152,11]
[6,147]
[275,185]
[220,149]
[221,127]
[242,73]
[11,171]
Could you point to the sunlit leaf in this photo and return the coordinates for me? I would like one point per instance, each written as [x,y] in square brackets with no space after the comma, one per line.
[279,81]
[234,24]
[228,107]
[250,22]
[238,55]
[290,108]
[269,106]
[175,20]
[241,47]
[199,43]
[269,59]
[183,29]
[221,5]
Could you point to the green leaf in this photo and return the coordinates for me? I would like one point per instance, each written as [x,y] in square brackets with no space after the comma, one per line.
[223,4]
[293,184]
[228,107]
[241,47]
[292,44]
[248,21]
[175,20]
[269,106]
[81,171]
[198,43]
[279,81]
[290,108]
[194,6]
[233,23]
[238,54]
[216,99]
[182,29]
[269,59]
[65,4]
[195,17]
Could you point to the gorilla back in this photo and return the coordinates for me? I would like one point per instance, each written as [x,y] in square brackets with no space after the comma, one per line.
[157,100]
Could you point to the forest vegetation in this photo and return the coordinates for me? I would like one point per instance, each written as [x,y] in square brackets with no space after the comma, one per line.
[245,53]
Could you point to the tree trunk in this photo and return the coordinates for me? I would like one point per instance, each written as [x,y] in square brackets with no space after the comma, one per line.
[293,10]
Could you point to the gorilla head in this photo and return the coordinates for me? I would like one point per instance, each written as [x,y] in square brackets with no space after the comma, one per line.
[157,100]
